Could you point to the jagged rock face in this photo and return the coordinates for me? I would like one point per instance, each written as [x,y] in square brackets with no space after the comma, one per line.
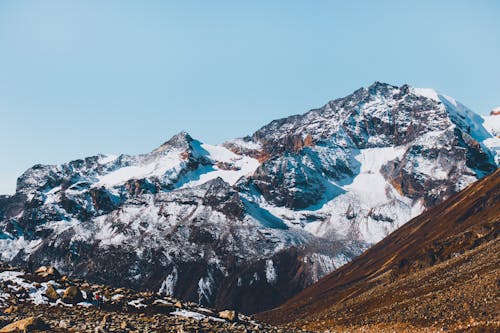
[297,180]
[257,218]
[377,117]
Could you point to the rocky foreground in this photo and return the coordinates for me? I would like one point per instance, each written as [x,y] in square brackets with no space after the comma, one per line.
[45,301]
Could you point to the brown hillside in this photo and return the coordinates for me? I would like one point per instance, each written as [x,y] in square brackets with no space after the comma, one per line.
[441,269]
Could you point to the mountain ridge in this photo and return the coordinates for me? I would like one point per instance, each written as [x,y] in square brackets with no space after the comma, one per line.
[299,198]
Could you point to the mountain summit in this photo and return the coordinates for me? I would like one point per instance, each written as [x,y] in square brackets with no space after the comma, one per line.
[249,223]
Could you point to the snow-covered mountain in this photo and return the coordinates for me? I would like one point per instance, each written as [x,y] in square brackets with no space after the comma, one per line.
[249,223]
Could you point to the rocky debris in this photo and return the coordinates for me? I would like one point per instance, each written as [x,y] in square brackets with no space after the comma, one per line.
[120,310]
[49,272]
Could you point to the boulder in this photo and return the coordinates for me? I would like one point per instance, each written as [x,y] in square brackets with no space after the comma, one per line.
[228,314]
[41,269]
[72,295]
[51,293]
[23,325]
[53,272]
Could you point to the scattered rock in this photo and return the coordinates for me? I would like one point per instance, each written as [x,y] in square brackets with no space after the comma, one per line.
[152,313]
[48,271]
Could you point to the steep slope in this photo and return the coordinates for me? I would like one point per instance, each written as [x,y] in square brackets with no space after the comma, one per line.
[249,223]
[440,269]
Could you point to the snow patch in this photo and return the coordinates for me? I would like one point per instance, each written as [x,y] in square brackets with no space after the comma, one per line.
[226,165]
[271,275]
[168,165]
[168,285]
[137,303]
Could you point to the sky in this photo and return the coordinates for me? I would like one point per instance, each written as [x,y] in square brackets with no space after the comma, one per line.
[79,78]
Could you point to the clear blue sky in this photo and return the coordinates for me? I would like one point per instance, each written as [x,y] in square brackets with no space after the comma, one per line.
[82,77]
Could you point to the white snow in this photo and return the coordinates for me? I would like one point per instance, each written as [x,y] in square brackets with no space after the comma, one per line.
[271,275]
[459,113]
[169,164]
[194,315]
[137,303]
[365,195]
[227,165]
[369,185]
[188,314]
[251,145]
[205,285]
[427,92]
[168,285]
[492,124]
[36,292]
[9,248]
[107,159]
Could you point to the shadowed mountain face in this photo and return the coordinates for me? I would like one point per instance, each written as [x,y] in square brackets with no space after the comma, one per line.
[441,269]
[249,223]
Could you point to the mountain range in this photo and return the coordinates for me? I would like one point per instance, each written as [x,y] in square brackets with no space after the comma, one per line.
[249,223]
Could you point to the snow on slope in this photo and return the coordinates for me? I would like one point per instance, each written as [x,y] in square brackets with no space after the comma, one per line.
[484,129]
[168,165]
[366,194]
[227,165]
[458,113]
[370,195]
[492,124]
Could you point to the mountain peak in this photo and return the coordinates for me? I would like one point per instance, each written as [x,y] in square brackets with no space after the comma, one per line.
[180,140]
[380,87]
